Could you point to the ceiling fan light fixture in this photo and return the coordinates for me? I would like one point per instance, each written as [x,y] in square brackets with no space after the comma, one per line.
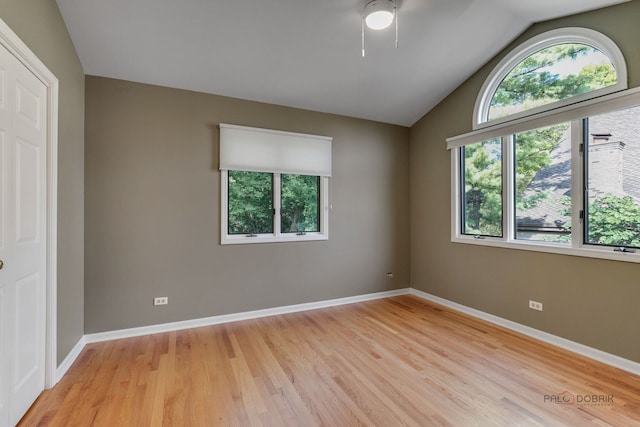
[379,14]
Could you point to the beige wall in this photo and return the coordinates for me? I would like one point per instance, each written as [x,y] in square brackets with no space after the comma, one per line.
[593,302]
[153,210]
[39,24]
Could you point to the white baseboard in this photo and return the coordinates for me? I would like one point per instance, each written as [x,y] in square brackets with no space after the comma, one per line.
[214,320]
[235,317]
[71,357]
[590,352]
[572,346]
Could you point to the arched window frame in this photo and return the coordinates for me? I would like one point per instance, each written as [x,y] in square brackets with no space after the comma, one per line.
[577,112]
[535,44]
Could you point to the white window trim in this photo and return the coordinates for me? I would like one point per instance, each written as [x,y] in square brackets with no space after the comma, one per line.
[574,114]
[590,107]
[277,235]
[277,152]
[535,44]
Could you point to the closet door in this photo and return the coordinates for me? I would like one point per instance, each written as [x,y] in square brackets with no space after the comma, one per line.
[23,201]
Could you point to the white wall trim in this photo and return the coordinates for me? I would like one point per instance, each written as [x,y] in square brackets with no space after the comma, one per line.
[236,317]
[277,235]
[71,357]
[581,349]
[590,352]
[21,51]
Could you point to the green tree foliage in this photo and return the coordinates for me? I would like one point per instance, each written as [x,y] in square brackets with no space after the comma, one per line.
[533,82]
[300,203]
[250,202]
[483,177]
[601,75]
[532,78]
[533,153]
[529,84]
[483,188]
[614,221]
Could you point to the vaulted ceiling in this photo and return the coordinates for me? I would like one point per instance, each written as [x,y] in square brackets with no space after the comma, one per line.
[303,53]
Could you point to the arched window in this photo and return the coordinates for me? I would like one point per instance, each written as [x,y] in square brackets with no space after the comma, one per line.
[551,70]
[553,162]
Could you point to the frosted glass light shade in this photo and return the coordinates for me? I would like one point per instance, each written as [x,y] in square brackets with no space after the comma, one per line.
[379,14]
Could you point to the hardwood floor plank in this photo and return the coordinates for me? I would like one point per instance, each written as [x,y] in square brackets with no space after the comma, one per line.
[395,361]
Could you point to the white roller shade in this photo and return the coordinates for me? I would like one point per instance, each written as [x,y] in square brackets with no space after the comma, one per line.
[263,150]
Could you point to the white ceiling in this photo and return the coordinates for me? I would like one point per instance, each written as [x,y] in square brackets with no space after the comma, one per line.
[303,53]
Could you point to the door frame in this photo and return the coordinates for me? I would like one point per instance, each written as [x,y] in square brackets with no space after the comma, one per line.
[21,51]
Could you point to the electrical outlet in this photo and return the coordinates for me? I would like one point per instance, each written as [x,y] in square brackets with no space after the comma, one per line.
[390,275]
[161,301]
[535,305]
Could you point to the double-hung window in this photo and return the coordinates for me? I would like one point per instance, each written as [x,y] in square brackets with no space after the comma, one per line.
[274,185]
[553,163]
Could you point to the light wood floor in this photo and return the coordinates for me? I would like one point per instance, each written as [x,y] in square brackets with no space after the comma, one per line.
[396,361]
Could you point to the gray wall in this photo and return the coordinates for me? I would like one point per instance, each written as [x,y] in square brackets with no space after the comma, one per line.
[152,210]
[593,302]
[39,24]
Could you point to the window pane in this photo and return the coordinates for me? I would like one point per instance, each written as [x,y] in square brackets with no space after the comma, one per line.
[613,178]
[552,74]
[543,184]
[250,202]
[482,183]
[300,210]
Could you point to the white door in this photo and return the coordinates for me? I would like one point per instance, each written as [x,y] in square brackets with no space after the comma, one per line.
[23,151]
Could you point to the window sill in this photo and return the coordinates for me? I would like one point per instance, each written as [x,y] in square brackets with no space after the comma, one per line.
[271,238]
[587,251]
